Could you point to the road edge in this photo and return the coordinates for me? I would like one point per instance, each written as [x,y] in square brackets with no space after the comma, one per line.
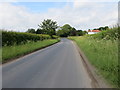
[97,80]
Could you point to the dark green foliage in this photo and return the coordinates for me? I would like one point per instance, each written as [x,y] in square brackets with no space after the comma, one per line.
[66,30]
[31,30]
[61,33]
[108,34]
[48,27]
[102,28]
[72,32]
[85,32]
[40,31]
[10,38]
[81,33]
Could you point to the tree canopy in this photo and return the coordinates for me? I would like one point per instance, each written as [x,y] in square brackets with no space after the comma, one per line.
[48,27]
[31,30]
[101,28]
[66,30]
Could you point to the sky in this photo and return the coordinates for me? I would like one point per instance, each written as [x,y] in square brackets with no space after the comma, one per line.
[21,15]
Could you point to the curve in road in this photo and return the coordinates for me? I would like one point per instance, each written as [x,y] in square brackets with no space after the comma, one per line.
[57,66]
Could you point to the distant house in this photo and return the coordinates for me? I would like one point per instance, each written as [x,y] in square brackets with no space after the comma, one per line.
[93,31]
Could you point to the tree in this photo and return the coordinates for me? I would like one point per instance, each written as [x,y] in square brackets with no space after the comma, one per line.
[31,30]
[79,32]
[67,29]
[61,33]
[85,32]
[40,31]
[72,32]
[106,27]
[103,28]
[49,27]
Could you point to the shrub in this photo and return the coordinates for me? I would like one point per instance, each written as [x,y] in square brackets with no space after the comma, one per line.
[111,34]
[10,38]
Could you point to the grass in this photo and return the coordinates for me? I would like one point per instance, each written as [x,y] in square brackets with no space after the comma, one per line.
[103,54]
[11,52]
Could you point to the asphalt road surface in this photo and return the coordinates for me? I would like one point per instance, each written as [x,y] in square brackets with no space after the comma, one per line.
[57,66]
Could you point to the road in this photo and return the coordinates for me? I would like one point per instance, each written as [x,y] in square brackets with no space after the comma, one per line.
[57,66]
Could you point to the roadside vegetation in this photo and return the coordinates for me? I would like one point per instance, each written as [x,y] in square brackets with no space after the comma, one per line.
[16,44]
[102,51]
[11,52]
[17,38]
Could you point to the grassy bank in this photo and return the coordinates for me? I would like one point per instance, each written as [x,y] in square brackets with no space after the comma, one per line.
[10,52]
[103,54]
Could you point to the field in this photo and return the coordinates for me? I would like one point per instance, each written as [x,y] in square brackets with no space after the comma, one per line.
[9,52]
[102,53]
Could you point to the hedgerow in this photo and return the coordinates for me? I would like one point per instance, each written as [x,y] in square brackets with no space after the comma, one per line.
[15,38]
[110,34]
[102,50]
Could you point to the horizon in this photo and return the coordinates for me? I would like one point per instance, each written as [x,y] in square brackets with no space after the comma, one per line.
[82,15]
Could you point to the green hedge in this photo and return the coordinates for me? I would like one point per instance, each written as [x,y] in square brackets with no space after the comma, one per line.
[108,34]
[11,38]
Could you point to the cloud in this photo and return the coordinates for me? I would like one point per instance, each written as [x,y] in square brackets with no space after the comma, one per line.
[82,15]
[59,0]
[17,18]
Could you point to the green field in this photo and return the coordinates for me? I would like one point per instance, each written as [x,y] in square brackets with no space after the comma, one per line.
[11,52]
[103,54]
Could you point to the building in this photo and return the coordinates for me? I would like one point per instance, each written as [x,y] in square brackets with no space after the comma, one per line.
[93,31]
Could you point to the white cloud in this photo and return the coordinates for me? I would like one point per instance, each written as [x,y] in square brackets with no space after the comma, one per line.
[17,18]
[82,15]
[59,0]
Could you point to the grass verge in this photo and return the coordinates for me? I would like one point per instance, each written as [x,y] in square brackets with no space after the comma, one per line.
[103,54]
[12,52]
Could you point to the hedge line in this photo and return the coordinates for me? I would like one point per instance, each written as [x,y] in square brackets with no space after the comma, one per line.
[10,38]
[111,34]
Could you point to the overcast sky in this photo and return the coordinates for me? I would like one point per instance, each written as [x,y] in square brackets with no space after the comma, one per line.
[19,16]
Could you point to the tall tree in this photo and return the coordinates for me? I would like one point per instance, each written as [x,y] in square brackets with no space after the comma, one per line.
[66,29]
[49,27]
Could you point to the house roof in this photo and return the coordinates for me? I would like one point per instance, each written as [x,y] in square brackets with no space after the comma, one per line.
[93,30]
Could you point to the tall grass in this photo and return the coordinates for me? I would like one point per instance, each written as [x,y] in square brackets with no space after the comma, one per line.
[10,52]
[102,53]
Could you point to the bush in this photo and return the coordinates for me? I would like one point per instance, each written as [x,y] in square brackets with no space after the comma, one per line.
[110,34]
[10,38]
[103,54]
[102,51]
